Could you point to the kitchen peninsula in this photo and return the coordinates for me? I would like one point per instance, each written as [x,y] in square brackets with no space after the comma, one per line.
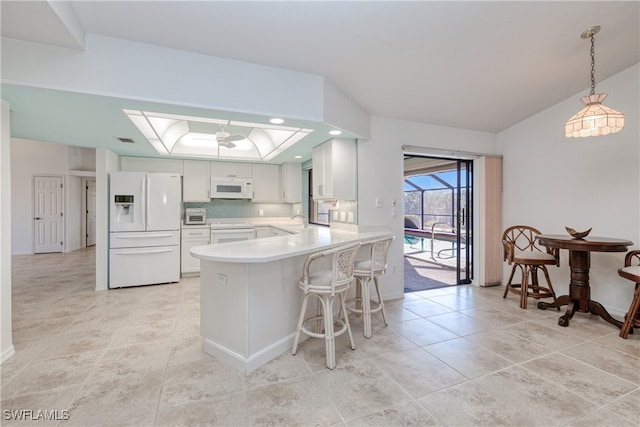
[249,296]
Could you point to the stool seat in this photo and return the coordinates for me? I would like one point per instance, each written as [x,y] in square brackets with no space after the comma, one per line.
[631,271]
[365,271]
[325,285]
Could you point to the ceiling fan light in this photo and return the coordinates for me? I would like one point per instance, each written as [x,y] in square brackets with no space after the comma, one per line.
[594,119]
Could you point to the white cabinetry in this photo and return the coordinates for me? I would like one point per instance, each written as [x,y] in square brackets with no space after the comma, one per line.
[334,170]
[193,235]
[196,181]
[148,164]
[291,182]
[266,183]
[222,169]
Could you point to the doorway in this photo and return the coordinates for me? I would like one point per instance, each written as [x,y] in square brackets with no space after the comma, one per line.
[90,200]
[438,230]
[47,214]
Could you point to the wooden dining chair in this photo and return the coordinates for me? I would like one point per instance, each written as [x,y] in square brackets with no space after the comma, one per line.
[521,251]
[631,271]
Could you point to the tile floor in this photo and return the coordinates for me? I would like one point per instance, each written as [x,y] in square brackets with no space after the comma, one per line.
[458,356]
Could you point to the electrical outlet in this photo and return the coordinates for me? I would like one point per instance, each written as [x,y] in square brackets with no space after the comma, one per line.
[378,202]
[335,215]
[350,217]
[261,212]
[393,270]
[222,279]
[343,216]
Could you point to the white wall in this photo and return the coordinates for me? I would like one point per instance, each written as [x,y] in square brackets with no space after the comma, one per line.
[381,172]
[6,339]
[551,182]
[29,158]
[106,162]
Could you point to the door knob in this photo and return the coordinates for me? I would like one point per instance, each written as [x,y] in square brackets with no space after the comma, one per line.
[37,217]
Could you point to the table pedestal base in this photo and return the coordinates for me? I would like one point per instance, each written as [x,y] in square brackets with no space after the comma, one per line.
[594,307]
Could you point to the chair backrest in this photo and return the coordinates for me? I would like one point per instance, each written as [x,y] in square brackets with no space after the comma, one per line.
[342,259]
[379,252]
[632,258]
[342,263]
[519,237]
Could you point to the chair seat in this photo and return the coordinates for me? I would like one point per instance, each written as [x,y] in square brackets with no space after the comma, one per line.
[363,268]
[533,257]
[631,272]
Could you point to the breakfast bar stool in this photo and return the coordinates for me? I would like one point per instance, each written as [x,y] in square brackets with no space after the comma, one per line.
[365,271]
[325,285]
[521,249]
[631,271]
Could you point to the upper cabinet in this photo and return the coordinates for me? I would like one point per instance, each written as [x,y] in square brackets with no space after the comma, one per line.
[291,182]
[148,164]
[196,181]
[334,170]
[266,183]
[224,169]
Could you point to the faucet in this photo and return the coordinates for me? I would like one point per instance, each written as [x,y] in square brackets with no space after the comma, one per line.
[305,221]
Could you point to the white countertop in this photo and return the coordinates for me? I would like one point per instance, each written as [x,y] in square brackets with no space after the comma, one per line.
[304,241]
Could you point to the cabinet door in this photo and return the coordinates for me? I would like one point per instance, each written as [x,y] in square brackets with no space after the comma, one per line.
[223,169]
[335,170]
[291,182]
[266,183]
[145,164]
[195,181]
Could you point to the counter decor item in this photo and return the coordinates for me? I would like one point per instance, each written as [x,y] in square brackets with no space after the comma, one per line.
[578,234]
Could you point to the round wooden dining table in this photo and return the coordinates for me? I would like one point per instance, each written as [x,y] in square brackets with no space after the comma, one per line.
[579,297]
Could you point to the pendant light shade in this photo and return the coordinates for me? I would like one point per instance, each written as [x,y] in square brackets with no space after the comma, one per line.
[594,119]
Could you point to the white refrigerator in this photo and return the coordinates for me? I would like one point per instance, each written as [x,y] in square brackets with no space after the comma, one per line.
[144,225]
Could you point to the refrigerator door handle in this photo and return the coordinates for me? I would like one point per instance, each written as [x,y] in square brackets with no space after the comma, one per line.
[151,251]
[141,236]
[148,222]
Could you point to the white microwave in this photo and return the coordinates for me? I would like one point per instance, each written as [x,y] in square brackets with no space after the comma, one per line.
[231,188]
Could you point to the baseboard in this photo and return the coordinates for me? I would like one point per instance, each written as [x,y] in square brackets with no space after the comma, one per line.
[7,354]
[253,362]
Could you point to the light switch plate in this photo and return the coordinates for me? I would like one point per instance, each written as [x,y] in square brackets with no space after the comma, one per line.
[350,217]
[343,216]
[335,215]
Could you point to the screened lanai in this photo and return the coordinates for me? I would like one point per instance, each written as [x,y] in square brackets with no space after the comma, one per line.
[436,197]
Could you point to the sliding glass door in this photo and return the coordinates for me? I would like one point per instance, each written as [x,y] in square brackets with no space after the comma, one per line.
[464,219]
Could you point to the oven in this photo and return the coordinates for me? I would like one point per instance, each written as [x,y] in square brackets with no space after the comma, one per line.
[231,232]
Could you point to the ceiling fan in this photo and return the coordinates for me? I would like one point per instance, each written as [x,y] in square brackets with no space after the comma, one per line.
[225,139]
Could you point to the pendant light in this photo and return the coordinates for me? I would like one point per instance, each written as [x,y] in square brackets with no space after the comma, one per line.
[594,119]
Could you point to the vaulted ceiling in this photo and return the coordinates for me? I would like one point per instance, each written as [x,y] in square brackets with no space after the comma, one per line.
[469,64]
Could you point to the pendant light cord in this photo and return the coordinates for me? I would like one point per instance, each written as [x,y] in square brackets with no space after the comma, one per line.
[593,66]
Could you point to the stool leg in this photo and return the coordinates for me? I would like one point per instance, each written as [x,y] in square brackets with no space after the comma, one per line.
[508,286]
[631,314]
[300,321]
[384,315]
[548,279]
[524,286]
[329,337]
[343,304]
[358,298]
[366,307]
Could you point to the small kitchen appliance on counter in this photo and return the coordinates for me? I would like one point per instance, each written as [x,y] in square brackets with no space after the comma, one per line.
[195,216]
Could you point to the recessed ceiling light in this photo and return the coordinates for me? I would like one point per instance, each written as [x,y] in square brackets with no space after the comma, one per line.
[276,121]
[335,132]
[297,157]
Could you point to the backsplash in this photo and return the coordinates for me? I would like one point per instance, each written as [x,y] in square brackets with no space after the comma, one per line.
[347,209]
[223,208]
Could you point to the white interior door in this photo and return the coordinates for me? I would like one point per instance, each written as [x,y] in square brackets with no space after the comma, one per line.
[47,207]
[91,213]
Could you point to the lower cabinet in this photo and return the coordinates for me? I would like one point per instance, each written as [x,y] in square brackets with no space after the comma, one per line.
[193,236]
